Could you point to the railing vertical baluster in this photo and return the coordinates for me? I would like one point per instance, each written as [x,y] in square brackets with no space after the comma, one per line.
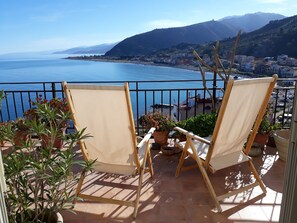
[53,89]
[195,104]
[187,102]
[44,90]
[29,97]
[153,100]
[170,112]
[214,95]
[285,104]
[178,103]
[7,107]
[145,102]
[61,85]
[14,105]
[22,102]
[162,95]
[137,104]
[204,93]
[1,116]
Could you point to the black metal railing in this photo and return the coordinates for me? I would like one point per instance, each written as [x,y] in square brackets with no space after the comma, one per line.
[179,99]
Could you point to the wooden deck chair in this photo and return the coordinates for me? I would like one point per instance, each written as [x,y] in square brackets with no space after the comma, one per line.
[106,113]
[240,115]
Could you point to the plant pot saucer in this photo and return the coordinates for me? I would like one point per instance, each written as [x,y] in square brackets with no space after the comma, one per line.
[170,150]
[255,151]
[156,146]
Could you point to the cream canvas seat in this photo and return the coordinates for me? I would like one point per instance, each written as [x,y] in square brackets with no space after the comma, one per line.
[240,115]
[106,113]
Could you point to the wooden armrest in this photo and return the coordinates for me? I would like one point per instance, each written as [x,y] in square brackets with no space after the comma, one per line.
[192,135]
[146,138]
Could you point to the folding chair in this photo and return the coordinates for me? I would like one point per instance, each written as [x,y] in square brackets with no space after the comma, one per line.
[106,113]
[239,117]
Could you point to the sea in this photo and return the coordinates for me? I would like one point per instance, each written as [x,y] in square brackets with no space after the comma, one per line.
[47,67]
[41,67]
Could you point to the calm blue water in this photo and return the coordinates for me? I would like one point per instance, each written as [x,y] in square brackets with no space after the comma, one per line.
[38,67]
[49,67]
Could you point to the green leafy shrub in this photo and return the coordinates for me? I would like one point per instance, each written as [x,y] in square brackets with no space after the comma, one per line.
[202,124]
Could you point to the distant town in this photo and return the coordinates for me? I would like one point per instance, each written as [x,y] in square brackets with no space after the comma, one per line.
[283,65]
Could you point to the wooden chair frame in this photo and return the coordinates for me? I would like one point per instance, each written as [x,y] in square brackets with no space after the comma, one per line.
[204,165]
[140,167]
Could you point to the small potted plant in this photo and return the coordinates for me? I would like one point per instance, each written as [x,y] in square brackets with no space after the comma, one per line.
[20,129]
[59,121]
[39,177]
[266,127]
[162,123]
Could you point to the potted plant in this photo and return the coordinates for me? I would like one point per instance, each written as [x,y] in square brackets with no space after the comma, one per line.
[20,129]
[266,127]
[58,121]
[39,176]
[162,123]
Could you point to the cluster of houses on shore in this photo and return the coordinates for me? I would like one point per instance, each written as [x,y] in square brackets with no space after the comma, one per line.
[283,65]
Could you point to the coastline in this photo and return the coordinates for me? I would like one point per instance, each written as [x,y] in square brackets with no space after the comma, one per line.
[186,67]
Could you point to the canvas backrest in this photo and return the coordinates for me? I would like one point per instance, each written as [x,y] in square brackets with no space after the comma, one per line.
[106,112]
[239,111]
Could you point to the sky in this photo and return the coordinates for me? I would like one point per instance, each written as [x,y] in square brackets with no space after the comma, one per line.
[41,25]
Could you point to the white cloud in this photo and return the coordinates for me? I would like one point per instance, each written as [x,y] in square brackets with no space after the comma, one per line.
[164,23]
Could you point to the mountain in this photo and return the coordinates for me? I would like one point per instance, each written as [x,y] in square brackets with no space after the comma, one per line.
[276,38]
[250,22]
[200,33]
[147,43]
[98,49]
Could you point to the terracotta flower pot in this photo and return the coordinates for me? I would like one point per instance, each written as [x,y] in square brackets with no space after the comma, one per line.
[161,137]
[58,143]
[20,138]
[46,140]
[49,217]
[261,139]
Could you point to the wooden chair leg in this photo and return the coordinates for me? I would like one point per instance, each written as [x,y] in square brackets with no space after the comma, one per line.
[138,193]
[182,159]
[150,163]
[210,187]
[79,186]
[180,163]
[202,169]
[142,169]
[254,171]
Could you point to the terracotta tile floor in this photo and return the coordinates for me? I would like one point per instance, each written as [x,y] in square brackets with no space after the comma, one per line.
[166,198]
